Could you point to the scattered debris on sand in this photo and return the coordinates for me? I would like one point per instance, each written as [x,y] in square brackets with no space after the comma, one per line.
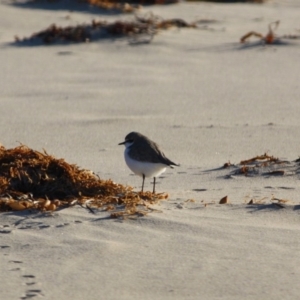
[271,203]
[265,164]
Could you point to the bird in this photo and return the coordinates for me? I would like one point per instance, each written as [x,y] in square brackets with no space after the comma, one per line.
[144,157]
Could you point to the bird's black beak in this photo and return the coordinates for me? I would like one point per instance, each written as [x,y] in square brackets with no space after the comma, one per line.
[122,143]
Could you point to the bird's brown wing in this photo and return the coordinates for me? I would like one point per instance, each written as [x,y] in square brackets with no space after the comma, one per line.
[147,150]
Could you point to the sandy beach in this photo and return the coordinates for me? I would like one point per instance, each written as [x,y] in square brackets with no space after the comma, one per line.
[207,100]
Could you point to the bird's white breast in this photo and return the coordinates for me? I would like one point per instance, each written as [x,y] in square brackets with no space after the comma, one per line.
[146,168]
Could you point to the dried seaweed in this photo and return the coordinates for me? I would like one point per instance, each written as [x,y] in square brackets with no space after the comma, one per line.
[147,25]
[260,158]
[260,162]
[270,37]
[227,165]
[265,164]
[34,180]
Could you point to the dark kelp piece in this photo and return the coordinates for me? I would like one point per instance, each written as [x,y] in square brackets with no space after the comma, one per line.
[147,25]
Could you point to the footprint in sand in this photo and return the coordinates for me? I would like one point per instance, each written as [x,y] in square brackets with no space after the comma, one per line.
[62,225]
[28,276]
[29,282]
[44,226]
[5,231]
[4,247]
[15,262]
[30,293]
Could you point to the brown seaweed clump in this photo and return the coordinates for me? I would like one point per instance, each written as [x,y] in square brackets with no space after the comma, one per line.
[265,164]
[34,180]
[145,26]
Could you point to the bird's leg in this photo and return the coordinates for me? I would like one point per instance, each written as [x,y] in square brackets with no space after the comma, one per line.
[154,179]
[143,183]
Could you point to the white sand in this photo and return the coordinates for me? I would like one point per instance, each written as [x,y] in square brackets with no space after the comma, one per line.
[206,100]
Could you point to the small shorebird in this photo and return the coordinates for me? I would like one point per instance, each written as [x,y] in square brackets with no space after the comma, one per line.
[144,158]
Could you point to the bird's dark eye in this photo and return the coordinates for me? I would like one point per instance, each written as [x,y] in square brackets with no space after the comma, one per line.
[129,141]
